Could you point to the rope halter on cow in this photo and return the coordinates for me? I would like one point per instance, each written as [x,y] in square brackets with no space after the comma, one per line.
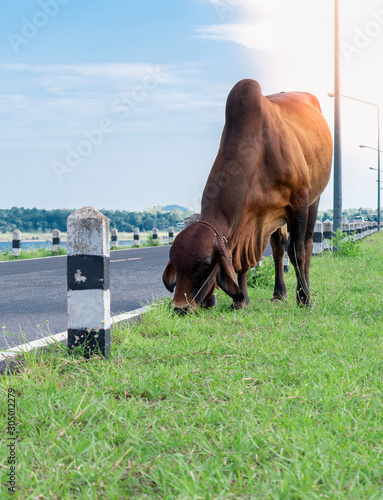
[222,243]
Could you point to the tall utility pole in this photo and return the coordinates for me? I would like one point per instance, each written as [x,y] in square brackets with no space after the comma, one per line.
[337,134]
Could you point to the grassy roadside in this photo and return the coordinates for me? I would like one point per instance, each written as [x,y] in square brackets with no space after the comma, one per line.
[272,402]
[31,254]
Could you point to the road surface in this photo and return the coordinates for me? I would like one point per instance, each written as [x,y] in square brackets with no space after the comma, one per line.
[34,292]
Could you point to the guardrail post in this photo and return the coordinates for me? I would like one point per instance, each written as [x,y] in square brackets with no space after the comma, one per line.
[358,230]
[354,227]
[16,243]
[55,241]
[155,235]
[327,234]
[346,228]
[171,235]
[286,262]
[318,238]
[114,238]
[88,281]
[136,237]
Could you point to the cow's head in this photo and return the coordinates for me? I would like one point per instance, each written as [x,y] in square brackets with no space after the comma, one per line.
[198,263]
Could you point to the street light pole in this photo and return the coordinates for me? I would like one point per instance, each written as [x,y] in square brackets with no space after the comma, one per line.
[362,146]
[337,127]
[331,94]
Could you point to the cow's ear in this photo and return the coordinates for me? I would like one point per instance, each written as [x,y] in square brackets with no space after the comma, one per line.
[169,277]
[227,279]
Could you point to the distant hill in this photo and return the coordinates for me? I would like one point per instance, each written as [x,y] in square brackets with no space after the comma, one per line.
[169,208]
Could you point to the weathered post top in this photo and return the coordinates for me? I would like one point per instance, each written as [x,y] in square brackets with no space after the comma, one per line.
[16,235]
[88,231]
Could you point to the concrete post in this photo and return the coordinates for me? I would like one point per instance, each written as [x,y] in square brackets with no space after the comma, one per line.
[55,240]
[318,238]
[352,230]
[286,262]
[171,235]
[327,234]
[114,238]
[155,235]
[346,228]
[88,281]
[358,230]
[136,237]
[16,243]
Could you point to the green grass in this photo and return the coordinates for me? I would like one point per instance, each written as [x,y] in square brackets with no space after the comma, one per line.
[272,402]
[30,254]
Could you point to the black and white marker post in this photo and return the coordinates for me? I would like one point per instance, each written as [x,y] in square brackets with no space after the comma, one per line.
[114,238]
[136,236]
[55,240]
[318,238]
[88,281]
[171,235]
[155,235]
[16,243]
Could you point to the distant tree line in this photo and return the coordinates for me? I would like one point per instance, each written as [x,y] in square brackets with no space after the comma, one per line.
[40,220]
[369,214]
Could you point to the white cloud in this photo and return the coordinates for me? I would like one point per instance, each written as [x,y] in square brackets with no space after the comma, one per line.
[252,36]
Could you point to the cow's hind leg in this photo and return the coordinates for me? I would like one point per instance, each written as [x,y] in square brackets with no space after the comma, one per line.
[309,244]
[242,282]
[277,242]
[297,252]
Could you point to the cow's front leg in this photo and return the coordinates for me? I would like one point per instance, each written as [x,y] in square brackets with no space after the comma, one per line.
[297,254]
[242,282]
[277,242]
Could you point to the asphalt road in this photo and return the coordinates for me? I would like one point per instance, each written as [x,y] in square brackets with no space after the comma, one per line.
[34,292]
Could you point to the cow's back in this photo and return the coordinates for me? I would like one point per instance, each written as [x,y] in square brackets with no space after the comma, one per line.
[273,150]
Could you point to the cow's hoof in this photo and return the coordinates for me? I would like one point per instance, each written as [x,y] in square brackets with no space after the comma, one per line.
[307,303]
[210,303]
[303,299]
[278,298]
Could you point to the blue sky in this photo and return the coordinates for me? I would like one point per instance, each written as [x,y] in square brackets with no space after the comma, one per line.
[120,104]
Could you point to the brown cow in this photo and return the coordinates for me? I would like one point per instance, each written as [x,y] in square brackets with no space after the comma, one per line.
[273,163]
